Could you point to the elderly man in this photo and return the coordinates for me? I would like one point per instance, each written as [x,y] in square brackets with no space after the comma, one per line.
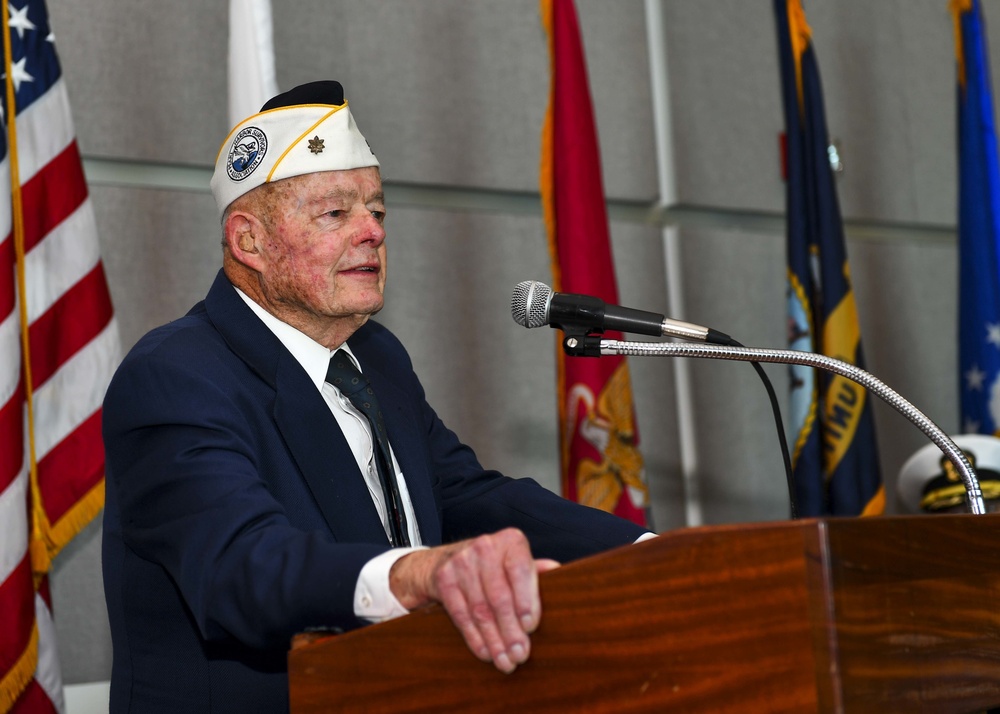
[273,466]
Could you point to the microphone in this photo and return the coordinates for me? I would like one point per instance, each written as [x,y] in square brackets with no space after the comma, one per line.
[534,304]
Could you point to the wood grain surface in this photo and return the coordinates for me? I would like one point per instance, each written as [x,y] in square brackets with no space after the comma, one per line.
[855,615]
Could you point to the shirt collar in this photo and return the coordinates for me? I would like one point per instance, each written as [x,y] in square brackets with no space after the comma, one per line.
[314,357]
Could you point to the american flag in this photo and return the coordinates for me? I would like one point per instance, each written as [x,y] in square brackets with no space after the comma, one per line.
[58,348]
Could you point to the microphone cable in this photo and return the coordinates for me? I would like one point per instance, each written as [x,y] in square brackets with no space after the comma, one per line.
[779,424]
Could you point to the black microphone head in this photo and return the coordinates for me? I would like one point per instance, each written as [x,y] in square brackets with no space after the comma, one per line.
[529,304]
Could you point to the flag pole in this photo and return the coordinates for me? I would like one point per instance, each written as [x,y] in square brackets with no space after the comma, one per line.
[252,76]
[659,78]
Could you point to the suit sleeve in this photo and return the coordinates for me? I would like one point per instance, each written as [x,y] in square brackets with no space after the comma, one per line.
[474,500]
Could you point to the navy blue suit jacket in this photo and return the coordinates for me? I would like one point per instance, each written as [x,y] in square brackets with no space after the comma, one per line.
[236,515]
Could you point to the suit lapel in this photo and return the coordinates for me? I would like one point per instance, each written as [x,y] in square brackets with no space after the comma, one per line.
[324,457]
[311,433]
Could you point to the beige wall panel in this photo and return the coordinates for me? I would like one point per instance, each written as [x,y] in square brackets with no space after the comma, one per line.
[889,88]
[161,251]
[447,91]
[454,91]
[725,103]
[83,636]
[889,85]
[146,79]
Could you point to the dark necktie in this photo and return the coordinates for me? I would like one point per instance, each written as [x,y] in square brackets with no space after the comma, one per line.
[343,375]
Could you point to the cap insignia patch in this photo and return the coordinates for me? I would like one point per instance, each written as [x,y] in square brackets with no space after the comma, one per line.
[316,145]
[246,152]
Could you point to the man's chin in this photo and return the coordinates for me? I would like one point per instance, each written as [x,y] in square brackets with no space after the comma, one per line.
[363,312]
[375,307]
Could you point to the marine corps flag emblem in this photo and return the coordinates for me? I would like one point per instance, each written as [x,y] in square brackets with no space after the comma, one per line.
[600,460]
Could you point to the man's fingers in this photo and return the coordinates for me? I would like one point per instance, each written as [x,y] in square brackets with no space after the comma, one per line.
[489,587]
[521,577]
[511,600]
[452,592]
[531,610]
[544,565]
[491,600]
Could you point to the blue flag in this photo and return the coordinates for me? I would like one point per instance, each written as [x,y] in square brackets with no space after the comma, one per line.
[834,455]
[978,227]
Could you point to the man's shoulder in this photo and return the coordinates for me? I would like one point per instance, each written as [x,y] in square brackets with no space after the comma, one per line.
[188,350]
[192,331]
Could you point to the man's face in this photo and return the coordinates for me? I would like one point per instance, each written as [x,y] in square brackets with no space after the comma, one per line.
[325,251]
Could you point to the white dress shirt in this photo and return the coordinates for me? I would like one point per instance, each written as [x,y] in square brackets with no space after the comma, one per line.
[373,599]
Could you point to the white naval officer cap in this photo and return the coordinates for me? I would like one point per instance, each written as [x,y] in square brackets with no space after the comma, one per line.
[928,482]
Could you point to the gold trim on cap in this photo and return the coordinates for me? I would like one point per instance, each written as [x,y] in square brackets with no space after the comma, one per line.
[301,136]
[953,495]
[222,147]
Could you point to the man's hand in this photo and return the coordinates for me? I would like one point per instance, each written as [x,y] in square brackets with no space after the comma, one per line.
[488,586]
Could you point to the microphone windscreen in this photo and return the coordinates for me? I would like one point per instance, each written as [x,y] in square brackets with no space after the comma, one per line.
[528,303]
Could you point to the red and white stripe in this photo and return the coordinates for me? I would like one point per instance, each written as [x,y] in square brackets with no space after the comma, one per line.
[74,349]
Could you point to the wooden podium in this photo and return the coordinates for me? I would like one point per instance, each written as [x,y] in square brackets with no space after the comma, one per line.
[890,614]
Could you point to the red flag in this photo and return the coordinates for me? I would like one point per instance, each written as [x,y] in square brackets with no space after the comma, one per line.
[58,348]
[600,459]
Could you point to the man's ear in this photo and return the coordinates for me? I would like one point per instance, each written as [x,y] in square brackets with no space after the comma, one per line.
[242,232]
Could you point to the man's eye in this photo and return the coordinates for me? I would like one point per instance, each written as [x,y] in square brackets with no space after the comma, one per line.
[379,215]
[335,213]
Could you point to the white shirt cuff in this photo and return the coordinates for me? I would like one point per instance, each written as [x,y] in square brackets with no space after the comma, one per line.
[373,599]
[645,536]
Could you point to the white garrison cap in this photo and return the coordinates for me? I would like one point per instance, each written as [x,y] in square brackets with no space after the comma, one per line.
[929,482]
[305,130]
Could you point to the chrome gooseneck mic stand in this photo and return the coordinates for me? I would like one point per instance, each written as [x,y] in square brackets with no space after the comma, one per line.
[593,346]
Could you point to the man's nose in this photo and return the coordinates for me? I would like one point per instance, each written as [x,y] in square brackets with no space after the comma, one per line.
[370,229]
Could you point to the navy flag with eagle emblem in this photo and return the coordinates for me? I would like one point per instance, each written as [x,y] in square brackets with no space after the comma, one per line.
[835,458]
